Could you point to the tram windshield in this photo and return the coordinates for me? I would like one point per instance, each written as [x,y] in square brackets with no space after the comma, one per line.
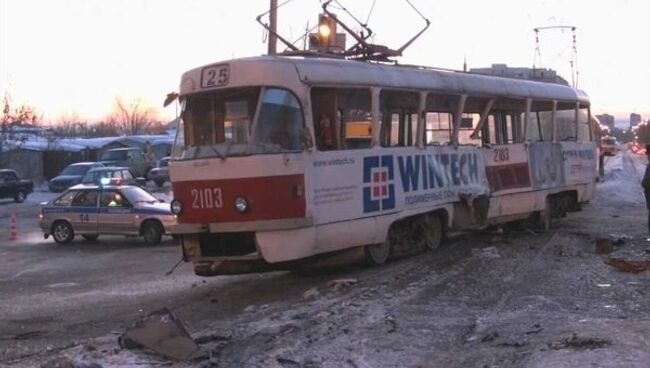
[225,124]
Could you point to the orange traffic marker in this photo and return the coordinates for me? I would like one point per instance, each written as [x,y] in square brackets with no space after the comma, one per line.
[13,234]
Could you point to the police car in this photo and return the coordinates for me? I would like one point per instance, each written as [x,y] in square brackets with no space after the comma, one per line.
[92,210]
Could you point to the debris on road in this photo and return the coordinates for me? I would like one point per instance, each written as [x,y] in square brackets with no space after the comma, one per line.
[311,294]
[580,343]
[603,246]
[219,335]
[490,337]
[536,328]
[628,266]
[489,252]
[392,325]
[163,333]
[336,285]
[23,336]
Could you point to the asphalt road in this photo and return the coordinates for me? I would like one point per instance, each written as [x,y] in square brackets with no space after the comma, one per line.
[53,294]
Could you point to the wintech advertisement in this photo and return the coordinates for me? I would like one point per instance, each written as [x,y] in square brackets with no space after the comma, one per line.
[395,179]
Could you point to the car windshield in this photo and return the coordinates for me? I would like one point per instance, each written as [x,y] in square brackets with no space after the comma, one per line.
[96,176]
[75,170]
[114,155]
[136,194]
[220,124]
[163,163]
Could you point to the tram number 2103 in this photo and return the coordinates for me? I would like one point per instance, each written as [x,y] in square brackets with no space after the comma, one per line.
[206,198]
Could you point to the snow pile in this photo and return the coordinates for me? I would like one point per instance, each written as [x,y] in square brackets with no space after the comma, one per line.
[623,174]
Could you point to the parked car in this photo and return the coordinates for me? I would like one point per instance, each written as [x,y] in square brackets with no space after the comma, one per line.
[71,175]
[93,210]
[133,158]
[112,175]
[11,186]
[160,173]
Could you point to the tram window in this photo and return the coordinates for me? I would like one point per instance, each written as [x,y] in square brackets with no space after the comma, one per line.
[438,128]
[583,125]
[545,125]
[532,129]
[236,123]
[203,116]
[333,110]
[217,123]
[516,127]
[510,132]
[179,140]
[468,123]
[398,118]
[502,127]
[565,124]
[280,126]
[400,130]
[493,133]
[502,130]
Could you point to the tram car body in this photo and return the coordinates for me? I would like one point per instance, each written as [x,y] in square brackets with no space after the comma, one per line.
[279,159]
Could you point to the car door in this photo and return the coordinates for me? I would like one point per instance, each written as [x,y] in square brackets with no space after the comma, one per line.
[83,211]
[116,213]
[11,184]
[4,185]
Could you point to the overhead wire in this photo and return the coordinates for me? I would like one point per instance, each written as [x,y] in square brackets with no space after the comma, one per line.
[416,10]
[372,7]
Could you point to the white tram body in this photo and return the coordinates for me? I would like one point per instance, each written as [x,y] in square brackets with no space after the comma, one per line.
[264,171]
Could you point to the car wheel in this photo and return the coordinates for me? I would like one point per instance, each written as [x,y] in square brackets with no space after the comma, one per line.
[160,183]
[152,232]
[62,232]
[20,196]
[90,237]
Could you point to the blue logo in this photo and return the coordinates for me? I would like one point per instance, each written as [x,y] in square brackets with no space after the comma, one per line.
[379,186]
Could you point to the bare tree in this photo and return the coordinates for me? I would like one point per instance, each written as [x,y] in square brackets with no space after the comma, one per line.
[20,115]
[13,116]
[70,124]
[103,129]
[132,117]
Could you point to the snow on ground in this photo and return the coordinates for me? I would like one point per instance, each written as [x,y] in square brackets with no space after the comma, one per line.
[522,298]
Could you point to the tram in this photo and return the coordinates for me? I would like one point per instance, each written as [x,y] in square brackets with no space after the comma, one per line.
[282,159]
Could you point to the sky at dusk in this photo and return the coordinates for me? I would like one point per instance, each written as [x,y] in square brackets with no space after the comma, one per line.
[73,57]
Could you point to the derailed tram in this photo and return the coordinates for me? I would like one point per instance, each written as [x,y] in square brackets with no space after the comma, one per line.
[280,160]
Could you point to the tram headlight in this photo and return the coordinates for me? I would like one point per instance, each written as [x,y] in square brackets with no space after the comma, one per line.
[176,206]
[241,204]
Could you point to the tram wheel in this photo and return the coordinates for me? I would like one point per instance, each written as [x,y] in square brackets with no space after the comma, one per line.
[430,229]
[377,254]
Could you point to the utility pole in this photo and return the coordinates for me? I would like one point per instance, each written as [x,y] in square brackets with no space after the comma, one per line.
[273,26]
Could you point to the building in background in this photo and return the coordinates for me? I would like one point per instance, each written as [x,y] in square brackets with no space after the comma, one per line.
[635,119]
[536,74]
[607,120]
